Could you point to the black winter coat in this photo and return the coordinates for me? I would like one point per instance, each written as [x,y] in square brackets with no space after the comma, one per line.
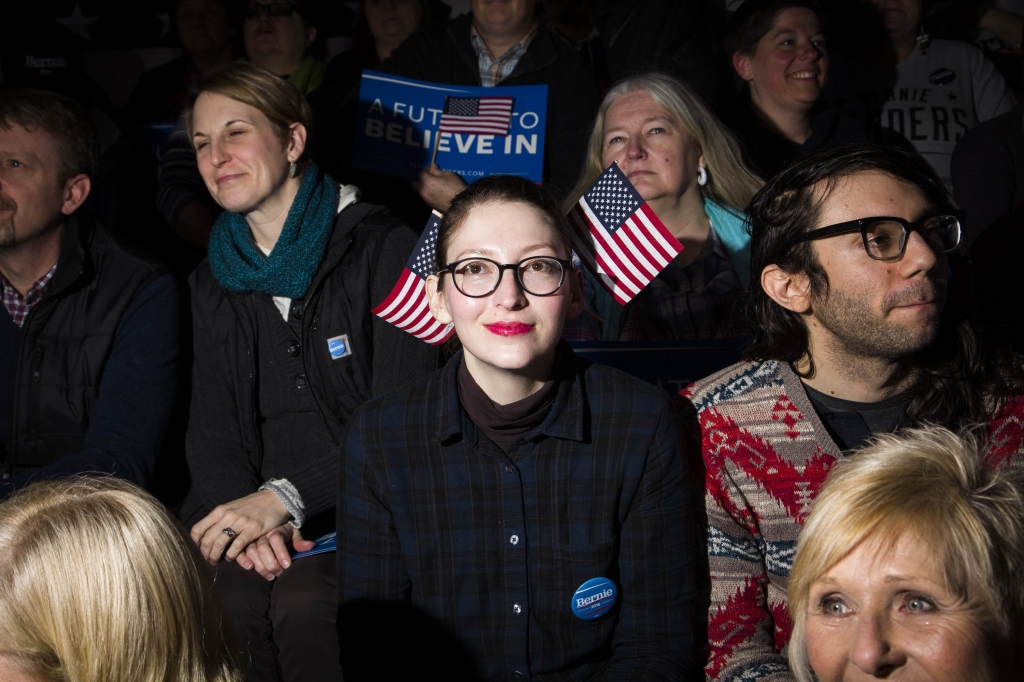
[365,256]
[62,353]
[443,53]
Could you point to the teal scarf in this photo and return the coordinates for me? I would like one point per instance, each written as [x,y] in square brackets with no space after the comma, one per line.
[240,266]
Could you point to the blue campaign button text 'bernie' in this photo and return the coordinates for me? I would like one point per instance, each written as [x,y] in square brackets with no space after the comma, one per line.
[594,598]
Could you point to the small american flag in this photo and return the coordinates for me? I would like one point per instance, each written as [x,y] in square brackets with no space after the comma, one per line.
[619,238]
[480,115]
[406,306]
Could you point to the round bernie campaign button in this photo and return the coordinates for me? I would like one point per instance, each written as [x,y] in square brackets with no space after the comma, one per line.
[593,598]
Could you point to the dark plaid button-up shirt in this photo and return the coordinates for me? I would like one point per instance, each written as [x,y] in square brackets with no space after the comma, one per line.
[19,306]
[494,545]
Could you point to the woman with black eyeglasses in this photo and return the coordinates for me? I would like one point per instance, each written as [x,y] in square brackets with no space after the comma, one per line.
[532,503]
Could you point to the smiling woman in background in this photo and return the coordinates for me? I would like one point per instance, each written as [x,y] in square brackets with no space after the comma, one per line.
[909,567]
[687,166]
[780,51]
[285,350]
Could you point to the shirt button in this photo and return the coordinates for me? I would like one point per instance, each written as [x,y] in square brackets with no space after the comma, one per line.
[301,383]
[508,468]
[514,539]
[517,609]
[517,675]
[293,349]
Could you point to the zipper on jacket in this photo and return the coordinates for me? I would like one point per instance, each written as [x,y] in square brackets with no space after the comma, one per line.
[33,364]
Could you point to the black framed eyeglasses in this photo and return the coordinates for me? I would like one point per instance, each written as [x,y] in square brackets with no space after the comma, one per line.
[479,277]
[274,9]
[885,237]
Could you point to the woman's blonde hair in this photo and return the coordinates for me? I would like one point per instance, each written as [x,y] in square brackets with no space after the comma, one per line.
[938,488]
[730,182]
[271,95]
[98,583]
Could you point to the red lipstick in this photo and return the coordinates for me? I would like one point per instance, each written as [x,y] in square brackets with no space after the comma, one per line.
[509,328]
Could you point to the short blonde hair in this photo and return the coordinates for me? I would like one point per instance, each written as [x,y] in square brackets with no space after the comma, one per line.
[263,90]
[99,583]
[730,182]
[935,485]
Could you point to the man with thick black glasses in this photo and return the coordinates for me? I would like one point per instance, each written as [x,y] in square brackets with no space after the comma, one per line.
[858,331]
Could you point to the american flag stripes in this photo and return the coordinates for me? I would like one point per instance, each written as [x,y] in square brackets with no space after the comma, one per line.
[619,238]
[479,115]
[406,306]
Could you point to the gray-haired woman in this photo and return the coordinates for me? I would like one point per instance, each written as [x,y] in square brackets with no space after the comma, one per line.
[687,166]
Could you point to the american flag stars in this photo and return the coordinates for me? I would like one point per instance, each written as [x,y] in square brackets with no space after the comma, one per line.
[619,238]
[406,307]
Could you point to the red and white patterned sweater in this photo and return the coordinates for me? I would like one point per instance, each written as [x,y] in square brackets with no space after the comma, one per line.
[766,454]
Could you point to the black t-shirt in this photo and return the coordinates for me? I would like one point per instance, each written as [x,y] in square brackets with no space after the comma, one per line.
[851,424]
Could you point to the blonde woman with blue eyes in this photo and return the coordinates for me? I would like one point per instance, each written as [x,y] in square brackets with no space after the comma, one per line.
[908,567]
[687,166]
[286,348]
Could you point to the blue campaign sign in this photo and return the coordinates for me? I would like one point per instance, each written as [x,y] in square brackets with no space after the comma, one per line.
[671,365]
[397,128]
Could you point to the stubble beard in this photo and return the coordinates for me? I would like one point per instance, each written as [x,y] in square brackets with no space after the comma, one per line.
[865,333]
[7,222]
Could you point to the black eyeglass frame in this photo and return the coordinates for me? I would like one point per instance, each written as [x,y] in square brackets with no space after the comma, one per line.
[256,9]
[502,267]
[862,224]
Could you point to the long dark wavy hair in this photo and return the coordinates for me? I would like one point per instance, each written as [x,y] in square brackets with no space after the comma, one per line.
[961,383]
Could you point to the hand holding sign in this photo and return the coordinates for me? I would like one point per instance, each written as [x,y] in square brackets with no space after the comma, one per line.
[437,188]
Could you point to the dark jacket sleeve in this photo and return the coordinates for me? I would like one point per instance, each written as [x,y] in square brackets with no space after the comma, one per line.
[398,357]
[371,563]
[136,394]
[658,559]
[217,450]
[573,99]
[428,54]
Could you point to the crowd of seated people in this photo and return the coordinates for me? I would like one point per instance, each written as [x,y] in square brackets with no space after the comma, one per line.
[500,506]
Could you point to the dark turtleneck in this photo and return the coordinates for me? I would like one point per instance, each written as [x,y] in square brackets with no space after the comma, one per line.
[503,424]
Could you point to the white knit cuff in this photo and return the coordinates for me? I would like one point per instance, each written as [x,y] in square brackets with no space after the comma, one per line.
[289,497]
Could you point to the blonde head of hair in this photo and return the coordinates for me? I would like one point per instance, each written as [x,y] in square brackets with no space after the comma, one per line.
[99,583]
[730,182]
[268,93]
[936,487]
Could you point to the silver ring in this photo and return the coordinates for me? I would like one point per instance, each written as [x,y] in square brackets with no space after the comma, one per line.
[230,532]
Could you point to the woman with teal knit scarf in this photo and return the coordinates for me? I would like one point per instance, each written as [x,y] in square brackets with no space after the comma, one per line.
[688,168]
[286,348]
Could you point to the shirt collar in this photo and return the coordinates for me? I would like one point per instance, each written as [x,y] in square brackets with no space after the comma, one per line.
[565,420]
[36,291]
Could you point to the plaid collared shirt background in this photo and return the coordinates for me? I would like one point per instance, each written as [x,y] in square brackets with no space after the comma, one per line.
[699,300]
[493,71]
[19,307]
[494,545]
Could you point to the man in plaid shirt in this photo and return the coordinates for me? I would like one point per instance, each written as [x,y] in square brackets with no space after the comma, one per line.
[88,333]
